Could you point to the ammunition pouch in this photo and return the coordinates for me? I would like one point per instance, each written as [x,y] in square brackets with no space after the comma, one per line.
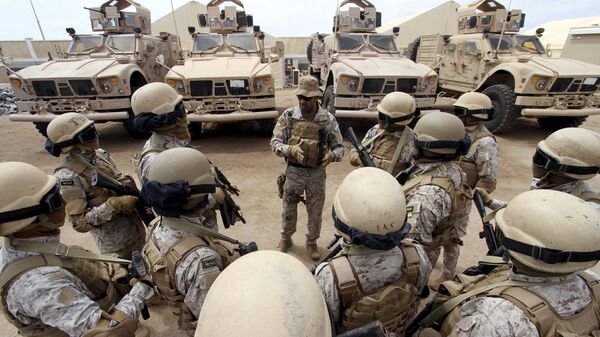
[311,139]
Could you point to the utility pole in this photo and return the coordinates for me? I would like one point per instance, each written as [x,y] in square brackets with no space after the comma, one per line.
[38,21]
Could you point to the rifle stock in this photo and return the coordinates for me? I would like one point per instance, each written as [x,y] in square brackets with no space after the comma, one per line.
[365,159]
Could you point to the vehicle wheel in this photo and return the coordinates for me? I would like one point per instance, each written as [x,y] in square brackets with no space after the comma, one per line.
[328,104]
[42,127]
[195,129]
[556,123]
[132,130]
[413,48]
[265,127]
[503,98]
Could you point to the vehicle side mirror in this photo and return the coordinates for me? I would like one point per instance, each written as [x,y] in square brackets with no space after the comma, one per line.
[396,31]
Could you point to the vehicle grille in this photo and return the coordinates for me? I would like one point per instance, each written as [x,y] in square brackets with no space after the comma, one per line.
[561,84]
[238,90]
[201,88]
[390,86]
[220,89]
[45,88]
[407,85]
[372,85]
[575,86]
[83,87]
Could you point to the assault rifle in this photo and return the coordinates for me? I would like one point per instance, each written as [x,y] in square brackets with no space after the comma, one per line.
[373,329]
[230,211]
[365,159]
[332,253]
[101,180]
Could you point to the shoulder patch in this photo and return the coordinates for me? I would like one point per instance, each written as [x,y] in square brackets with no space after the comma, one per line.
[209,262]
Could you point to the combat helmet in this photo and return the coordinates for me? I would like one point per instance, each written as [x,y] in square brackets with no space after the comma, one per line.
[550,231]
[474,107]
[397,108]
[282,300]
[67,130]
[572,152]
[27,193]
[442,133]
[177,180]
[157,105]
[369,209]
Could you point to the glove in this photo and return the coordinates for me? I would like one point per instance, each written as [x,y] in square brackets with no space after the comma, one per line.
[487,199]
[219,196]
[124,204]
[327,159]
[295,152]
[355,159]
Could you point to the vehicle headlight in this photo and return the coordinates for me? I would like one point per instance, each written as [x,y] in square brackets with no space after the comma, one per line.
[424,84]
[539,82]
[260,82]
[350,82]
[15,83]
[177,85]
[107,84]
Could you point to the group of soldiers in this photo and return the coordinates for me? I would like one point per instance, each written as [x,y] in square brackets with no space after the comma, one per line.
[394,218]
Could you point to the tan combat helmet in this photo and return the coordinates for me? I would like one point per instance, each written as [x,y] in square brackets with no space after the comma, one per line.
[370,203]
[397,108]
[157,98]
[550,231]
[264,294]
[441,133]
[572,152]
[67,130]
[26,193]
[476,105]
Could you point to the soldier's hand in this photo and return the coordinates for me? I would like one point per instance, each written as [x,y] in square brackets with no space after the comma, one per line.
[296,153]
[219,195]
[124,204]
[487,199]
[355,159]
[328,158]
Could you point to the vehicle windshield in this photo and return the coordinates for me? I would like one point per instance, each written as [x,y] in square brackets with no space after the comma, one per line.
[85,43]
[381,41]
[121,43]
[531,43]
[243,41]
[204,42]
[505,45]
[350,41]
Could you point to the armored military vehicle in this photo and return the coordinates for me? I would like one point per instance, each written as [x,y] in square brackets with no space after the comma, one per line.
[227,75]
[357,67]
[488,55]
[100,71]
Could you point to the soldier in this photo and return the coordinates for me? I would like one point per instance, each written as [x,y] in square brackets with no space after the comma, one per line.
[391,142]
[50,289]
[377,275]
[183,259]
[436,192]
[110,219]
[551,238]
[309,138]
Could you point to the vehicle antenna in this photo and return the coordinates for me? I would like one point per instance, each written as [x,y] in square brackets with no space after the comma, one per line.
[175,24]
[502,30]
[37,20]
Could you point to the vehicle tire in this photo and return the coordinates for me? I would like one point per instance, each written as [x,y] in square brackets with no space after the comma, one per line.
[195,129]
[42,127]
[266,126]
[556,123]
[132,130]
[503,98]
[328,104]
[413,49]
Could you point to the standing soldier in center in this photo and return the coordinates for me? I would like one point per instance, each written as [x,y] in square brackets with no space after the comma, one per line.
[309,137]
[391,142]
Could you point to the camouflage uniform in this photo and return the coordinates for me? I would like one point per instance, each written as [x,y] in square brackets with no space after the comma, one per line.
[405,157]
[577,188]
[305,179]
[153,146]
[118,233]
[38,297]
[429,207]
[375,269]
[495,316]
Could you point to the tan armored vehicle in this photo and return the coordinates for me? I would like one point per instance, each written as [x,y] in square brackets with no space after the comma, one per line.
[357,67]
[100,71]
[487,55]
[227,76]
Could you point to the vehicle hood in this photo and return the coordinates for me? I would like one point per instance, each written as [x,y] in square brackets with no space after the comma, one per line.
[221,67]
[383,66]
[563,66]
[71,68]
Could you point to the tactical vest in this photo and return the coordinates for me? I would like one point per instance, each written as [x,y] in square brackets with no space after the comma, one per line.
[386,145]
[470,167]
[589,196]
[459,198]
[97,276]
[547,321]
[311,136]
[390,304]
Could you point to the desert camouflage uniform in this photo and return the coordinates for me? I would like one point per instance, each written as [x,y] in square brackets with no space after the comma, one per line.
[302,179]
[570,188]
[375,269]
[38,296]
[405,158]
[153,146]
[432,205]
[118,233]
[192,279]
[494,316]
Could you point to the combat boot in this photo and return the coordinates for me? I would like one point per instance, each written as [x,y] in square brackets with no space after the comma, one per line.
[284,245]
[313,251]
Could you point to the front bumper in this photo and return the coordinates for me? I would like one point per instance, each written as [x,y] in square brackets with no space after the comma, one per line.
[48,117]
[230,109]
[45,111]
[366,107]
[559,106]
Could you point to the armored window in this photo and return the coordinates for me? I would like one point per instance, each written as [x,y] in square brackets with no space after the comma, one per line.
[350,41]
[471,47]
[121,43]
[205,42]
[486,20]
[85,43]
[97,24]
[461,23]
[111,23]
[130,20]
[505,44]
[150,45]
[381,41]
[243,41]
[531,43]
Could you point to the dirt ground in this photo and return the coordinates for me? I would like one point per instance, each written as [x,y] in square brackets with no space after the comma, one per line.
[248,162]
